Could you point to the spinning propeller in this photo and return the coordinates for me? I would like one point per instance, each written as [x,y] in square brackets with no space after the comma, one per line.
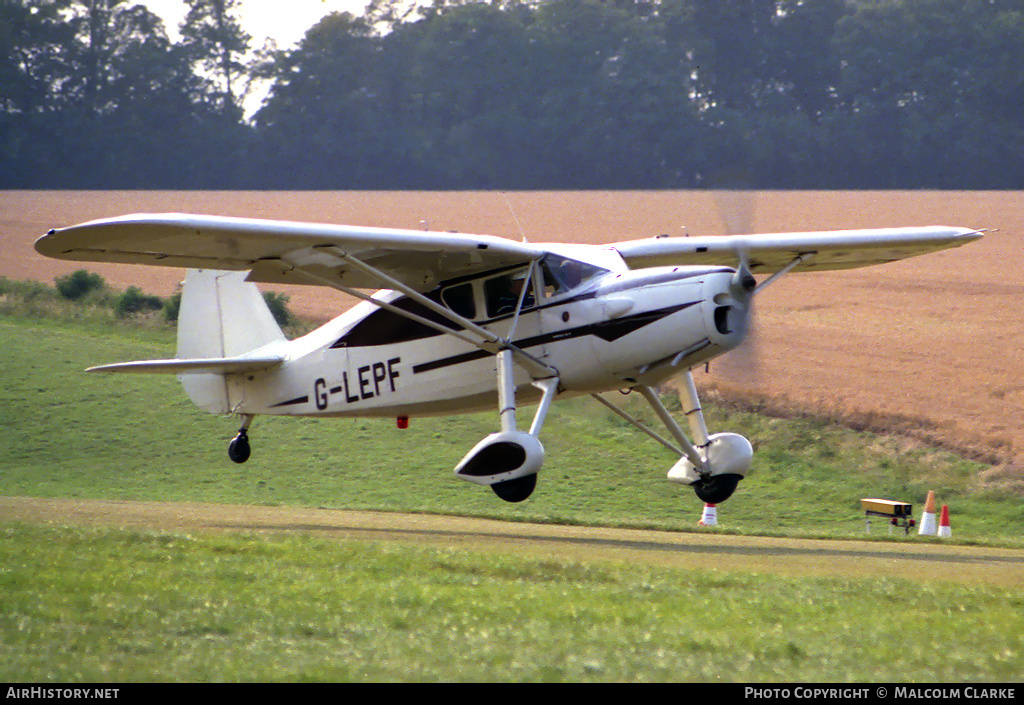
[740,367]
[726,456]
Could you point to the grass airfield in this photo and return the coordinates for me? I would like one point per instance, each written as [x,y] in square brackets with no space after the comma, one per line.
[97,605]
[181,602]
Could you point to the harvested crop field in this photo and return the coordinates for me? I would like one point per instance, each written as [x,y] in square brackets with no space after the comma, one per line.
[929,347]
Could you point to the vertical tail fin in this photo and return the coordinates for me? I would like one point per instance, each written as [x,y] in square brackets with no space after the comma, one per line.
[221,315]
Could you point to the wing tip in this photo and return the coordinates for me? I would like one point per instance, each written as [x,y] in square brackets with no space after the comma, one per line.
[969,235]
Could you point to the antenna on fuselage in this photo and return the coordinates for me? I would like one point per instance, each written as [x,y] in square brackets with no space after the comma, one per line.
[513,212]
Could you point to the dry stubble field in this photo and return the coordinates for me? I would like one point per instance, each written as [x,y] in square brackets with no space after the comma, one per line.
[930,347]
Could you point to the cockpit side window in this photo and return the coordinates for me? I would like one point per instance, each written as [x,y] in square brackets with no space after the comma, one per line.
[561,274]
[502,294]
[459,298]
[386,327]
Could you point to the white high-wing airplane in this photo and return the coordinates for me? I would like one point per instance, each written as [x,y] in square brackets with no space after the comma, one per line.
[469,322]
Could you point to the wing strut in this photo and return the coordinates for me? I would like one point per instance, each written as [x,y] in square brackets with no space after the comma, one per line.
[507,461]
[798,260]
[486,340]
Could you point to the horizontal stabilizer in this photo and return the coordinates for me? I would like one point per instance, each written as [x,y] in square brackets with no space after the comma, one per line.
[216,365]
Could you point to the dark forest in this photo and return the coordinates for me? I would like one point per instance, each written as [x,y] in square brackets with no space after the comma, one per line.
[551,94]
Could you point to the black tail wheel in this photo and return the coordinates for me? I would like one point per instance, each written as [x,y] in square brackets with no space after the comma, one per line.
[238,449]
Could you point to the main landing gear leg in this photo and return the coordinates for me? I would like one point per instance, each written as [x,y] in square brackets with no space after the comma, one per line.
[725,463]
[508,461]
[726,457]
[238,449]
[713,464]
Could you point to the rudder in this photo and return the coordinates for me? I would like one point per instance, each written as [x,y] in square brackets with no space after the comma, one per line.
[221,315]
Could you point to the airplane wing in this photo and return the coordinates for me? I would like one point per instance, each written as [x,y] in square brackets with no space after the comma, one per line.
[272,248]
[283,251]
[768,253]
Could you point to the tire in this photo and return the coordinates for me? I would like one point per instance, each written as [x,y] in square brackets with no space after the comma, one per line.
[238,448]
[516,490]
[716,489]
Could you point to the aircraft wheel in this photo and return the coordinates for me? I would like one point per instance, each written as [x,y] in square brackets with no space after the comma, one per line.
[516,490]
[238,449]
[717,488]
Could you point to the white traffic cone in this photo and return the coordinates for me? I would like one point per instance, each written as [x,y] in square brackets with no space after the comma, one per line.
[709,517]
[928,516]
[944,531]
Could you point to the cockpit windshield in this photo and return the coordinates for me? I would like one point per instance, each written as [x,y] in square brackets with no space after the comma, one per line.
[519,289]
[561,274]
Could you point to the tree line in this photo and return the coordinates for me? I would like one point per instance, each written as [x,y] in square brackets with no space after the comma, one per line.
[518,94]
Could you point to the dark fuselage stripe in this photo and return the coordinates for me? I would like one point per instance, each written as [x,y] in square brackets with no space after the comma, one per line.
[606,330]
[292,402]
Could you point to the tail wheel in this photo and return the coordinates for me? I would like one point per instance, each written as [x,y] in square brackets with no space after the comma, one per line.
[238,449]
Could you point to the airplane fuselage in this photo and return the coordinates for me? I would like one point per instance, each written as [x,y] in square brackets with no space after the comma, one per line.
[614,330]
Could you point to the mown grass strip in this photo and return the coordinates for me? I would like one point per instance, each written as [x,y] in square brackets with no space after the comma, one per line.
[83,605]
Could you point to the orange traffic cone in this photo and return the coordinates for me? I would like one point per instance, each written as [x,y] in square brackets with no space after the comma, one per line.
[928,516]
[944,530]
[709,517]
